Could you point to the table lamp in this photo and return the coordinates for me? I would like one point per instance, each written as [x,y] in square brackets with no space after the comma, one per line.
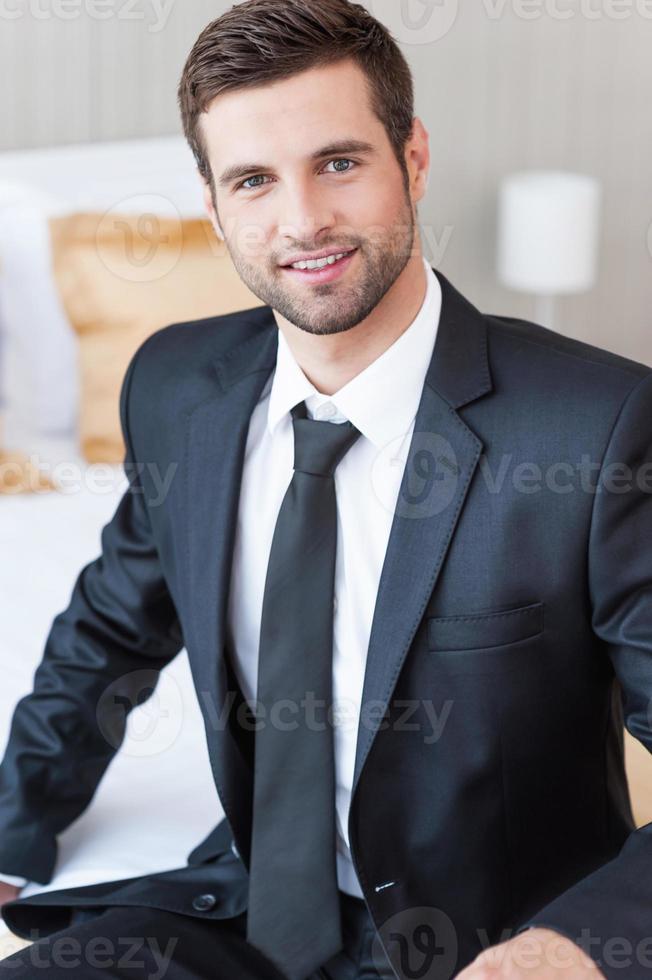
[548,235]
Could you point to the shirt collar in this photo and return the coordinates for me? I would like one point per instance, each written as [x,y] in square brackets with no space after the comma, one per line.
[365,400]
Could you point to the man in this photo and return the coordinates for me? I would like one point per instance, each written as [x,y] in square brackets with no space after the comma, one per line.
[386,500]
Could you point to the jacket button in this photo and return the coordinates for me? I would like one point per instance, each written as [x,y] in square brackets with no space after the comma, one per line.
[235,849]
[203,903]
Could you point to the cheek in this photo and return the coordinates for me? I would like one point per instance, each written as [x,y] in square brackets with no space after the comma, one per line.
[379,213]
[250,237]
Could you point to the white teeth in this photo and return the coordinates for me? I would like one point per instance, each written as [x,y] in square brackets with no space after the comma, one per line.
[319,263]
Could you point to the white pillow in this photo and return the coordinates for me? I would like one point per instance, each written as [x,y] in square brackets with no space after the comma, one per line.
[38,361]
[39,376]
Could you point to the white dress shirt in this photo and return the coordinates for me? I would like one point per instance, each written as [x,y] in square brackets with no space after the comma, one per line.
[382,402]
[13,880]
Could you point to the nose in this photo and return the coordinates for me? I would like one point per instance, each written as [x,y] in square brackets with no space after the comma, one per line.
[304,211]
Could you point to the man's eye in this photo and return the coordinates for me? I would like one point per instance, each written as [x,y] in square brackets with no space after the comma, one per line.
[256,177]
[343,160]
[244,183]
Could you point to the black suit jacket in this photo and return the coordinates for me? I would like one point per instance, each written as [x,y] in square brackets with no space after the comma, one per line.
[514,606]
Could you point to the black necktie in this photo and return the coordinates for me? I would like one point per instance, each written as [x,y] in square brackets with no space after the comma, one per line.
[293,914]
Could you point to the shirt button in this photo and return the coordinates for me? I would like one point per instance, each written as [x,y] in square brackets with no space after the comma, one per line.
[204,903]
[326,411]
[335,602]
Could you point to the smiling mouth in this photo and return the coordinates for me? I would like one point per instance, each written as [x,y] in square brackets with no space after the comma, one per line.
[316,265]
[327,275]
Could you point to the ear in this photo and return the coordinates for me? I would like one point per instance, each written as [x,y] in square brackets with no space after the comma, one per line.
[418,157]
[209,208]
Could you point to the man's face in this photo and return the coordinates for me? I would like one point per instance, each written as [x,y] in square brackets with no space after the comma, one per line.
[282,188]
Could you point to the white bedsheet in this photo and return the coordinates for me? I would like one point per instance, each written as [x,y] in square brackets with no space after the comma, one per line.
[157,799]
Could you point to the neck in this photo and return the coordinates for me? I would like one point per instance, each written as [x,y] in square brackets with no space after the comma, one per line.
[331,361]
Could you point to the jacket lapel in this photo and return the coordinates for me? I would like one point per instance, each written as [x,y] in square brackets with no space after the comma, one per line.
[215,443]
[441,460]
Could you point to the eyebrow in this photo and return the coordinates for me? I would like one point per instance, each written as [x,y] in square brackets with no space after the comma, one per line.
[338,148]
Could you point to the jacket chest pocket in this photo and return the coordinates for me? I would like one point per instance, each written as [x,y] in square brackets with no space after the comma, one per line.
[486,641]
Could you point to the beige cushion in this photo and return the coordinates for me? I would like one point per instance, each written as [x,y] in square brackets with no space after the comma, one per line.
[122,277]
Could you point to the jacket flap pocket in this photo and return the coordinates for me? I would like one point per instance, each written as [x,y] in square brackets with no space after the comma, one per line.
[468,631]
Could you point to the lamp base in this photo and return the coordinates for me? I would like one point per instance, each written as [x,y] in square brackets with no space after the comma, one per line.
[545,311]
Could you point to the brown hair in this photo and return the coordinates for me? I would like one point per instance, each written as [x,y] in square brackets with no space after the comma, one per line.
[262,41]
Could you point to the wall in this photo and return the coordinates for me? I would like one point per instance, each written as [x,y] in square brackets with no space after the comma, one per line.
[500,86]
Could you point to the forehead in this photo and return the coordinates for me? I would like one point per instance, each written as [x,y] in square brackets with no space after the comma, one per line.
[302,111]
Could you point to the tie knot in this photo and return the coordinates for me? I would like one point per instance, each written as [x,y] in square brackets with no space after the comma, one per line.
[319,446]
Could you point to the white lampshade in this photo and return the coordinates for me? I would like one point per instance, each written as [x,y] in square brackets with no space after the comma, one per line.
[548,232]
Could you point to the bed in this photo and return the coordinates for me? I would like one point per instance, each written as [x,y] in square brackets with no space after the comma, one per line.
[151,808]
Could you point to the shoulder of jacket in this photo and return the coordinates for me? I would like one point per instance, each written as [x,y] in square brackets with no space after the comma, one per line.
[190,343]
[581,357]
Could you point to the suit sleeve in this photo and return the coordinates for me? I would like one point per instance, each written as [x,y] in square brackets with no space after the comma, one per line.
[119,629]
[612,906]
